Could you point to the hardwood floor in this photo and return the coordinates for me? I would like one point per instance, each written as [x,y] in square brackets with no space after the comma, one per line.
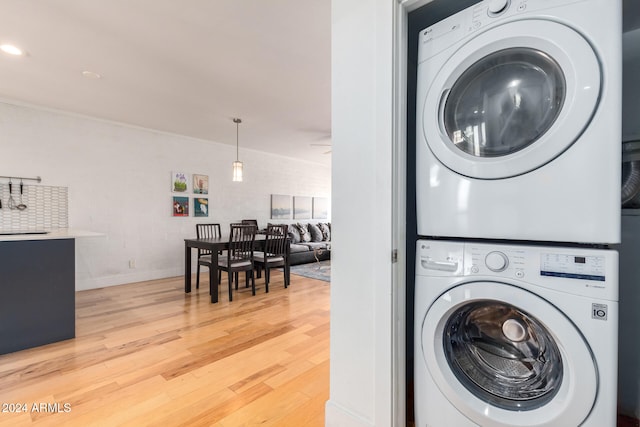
[149,354]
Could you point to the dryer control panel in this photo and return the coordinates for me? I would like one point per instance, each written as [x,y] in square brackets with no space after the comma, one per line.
[581,271]
[445,33]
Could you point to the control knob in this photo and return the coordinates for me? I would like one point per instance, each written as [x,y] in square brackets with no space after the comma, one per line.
[497,6]
[496,261]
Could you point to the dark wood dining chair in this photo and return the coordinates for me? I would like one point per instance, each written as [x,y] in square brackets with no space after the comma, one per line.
[239,255]
[206,231]
[274,254]
[250,222]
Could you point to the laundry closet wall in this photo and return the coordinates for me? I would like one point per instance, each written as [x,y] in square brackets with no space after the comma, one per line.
[629,334]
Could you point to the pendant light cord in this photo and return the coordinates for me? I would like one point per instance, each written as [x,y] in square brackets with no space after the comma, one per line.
[237,121]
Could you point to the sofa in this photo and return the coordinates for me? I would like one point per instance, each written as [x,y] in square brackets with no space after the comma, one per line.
[305,238]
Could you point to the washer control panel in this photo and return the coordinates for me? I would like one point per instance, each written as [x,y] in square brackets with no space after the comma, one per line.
[582,271]
[496,7]
[433,258]
[504,261]
[573,266]
[496,261]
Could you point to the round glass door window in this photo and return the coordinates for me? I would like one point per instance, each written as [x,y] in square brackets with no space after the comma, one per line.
[503,355]
[504,102]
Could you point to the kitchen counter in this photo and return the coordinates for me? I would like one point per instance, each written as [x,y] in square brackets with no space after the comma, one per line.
[37,304]
[61,233]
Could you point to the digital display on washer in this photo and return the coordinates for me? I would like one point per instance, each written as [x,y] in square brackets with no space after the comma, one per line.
[572,266]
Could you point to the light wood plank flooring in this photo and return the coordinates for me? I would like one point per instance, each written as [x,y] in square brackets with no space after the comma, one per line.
[149,354]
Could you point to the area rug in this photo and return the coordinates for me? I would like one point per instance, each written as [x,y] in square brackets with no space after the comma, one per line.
[314,270]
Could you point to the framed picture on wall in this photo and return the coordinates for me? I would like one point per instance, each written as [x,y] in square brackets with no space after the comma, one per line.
[301,207]
[179,182]
[320,208]
[200,184]
[280,206]
[180,206]
[200,206]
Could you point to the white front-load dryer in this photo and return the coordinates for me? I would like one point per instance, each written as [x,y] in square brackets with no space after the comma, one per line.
[515,335]
[519,122]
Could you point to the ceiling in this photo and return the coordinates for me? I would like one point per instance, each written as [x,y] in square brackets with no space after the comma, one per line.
[181,66]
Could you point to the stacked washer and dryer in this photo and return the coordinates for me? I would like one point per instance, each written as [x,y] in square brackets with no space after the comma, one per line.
[518,169]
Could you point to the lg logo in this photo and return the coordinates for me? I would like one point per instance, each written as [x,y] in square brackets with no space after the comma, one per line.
[599,311]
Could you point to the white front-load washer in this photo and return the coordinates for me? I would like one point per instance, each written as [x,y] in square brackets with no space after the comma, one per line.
[519,122]
[515,335]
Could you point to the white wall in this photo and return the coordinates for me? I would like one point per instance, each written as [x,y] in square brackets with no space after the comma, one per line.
[119,184]
[361,283]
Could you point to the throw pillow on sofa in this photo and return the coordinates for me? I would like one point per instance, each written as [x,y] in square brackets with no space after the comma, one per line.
[305,236]
[326,231]
[294,234]
[316,234]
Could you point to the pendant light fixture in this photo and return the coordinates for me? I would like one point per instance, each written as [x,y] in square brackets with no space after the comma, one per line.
[237,165]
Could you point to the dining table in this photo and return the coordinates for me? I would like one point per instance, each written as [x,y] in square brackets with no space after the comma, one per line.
[216,244]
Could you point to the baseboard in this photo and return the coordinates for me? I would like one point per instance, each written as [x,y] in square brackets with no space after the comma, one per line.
[338,416]
[84,283]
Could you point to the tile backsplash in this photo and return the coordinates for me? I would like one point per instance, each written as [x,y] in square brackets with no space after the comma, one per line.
[47,208]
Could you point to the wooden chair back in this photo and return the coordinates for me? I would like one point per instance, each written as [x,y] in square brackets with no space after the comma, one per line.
[275,244]
[207,231]
[241,242]
[250,222]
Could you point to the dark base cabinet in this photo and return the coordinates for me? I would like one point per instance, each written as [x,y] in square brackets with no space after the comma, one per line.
[37,285]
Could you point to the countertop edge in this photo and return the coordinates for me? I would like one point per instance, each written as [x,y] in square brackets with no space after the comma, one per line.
[61,233]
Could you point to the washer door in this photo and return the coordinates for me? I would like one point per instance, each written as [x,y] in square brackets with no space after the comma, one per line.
[506,357]
[512,99]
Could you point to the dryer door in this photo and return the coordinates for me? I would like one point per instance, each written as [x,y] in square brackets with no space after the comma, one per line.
[512,99]
[506,357]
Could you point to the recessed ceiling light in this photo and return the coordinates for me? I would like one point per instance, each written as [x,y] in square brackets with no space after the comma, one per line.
[11,49]
[91,75]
